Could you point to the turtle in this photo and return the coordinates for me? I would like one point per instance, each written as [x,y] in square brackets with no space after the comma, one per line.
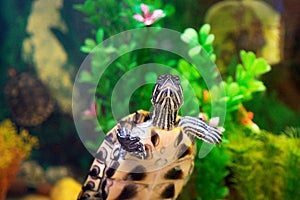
[149,155]
[28,99]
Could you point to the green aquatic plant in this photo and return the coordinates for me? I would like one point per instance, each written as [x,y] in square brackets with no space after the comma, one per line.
[198,40]
[114,18]
[108,15]
[264,166]
[291,181]
[124,63]
[239,86]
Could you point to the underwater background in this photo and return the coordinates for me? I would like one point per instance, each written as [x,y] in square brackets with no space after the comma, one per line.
[255,45]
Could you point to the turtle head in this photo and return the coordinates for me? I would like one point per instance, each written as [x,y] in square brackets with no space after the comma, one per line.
[168,92]
[167,98]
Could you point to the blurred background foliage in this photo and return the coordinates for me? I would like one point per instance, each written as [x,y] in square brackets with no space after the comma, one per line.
[255,45]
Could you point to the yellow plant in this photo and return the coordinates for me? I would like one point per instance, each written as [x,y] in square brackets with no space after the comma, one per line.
[14,147]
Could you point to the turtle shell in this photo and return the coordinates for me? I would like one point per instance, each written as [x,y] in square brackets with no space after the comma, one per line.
[162,174]
[28,100]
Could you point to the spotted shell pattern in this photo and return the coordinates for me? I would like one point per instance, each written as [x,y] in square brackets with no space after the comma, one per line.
[160,175]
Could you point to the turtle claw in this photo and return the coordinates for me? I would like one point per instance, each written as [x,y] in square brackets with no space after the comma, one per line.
[131,144]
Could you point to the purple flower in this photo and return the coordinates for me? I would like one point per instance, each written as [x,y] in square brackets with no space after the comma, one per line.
[149,18]
[92,111]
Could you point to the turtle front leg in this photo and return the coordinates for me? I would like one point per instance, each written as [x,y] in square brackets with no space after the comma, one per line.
[131,144]
[197,127]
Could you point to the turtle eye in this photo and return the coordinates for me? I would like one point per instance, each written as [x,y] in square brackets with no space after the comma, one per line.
[176,79]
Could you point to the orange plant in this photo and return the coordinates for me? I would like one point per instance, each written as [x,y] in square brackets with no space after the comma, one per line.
[14,148]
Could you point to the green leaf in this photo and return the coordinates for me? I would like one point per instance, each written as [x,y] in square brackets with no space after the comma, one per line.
[232,107]
[213,57]
[232,89]
[85,49]
[120,66]
[205,29]
[150,77]
[260,66]
[183,65]
[99,35]
[85,76]
[87,8]
[235,101]
[132,65]
[210,39]
[247,58]
[256,86]
[110,49]
[111,123]
[169,9]
[194,51]
[90,42]
[237,98]
[239,75]
[190,36]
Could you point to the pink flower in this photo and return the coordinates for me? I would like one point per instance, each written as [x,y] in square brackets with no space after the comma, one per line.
[149,18]
[92,111]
